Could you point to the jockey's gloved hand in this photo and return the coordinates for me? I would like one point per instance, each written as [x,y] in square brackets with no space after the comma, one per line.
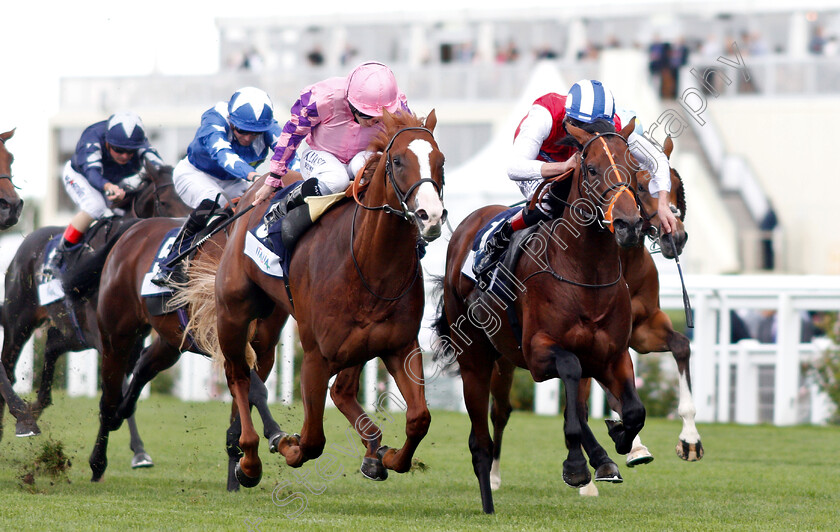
[131,183]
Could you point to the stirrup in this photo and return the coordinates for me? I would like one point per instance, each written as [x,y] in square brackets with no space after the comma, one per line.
[171,279]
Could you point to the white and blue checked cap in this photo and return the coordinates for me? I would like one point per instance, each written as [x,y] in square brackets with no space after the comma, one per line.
[588,100]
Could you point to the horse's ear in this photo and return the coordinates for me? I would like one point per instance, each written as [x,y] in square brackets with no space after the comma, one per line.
[431,121]
[579,134]
[7,135]
[668,147]
[627,130]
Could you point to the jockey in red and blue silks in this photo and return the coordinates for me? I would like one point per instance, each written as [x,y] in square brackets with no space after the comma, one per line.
[537,155]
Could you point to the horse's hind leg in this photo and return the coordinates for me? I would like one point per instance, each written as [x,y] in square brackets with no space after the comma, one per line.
[476,370]
[500,409]
[689,448]
[344,393]
[657,334]
[417,417]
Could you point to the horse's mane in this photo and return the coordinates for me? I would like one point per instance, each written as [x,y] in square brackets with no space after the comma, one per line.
[680,195]
[391,123]
[598,126]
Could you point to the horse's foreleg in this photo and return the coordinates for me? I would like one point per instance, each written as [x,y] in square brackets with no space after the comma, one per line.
[500,409]
[344,393]
[621,382]
[158,357]
[689,447]
[314,378]
[258,397]
[605,468]
[407,369]
[53,349]
[114,366]
[575,471]
[249,469]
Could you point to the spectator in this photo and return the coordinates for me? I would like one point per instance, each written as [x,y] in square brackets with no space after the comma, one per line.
[315,56]
[817,43]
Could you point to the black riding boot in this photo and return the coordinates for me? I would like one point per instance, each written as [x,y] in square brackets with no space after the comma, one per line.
[170,275]
[494,248]
[295,225]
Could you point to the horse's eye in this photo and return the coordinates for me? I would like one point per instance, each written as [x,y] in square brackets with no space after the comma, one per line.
[397,161]
[592,171]
[641,187]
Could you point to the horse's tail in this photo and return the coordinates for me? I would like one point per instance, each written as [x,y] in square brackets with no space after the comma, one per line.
[440,325]
[199,296]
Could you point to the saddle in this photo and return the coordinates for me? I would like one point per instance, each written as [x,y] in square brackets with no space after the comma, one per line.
[83,263]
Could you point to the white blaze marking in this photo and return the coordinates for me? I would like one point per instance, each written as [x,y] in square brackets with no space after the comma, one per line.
[427,196]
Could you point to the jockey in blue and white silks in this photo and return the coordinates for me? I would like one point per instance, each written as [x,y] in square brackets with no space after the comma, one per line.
[108,157]
[233,139]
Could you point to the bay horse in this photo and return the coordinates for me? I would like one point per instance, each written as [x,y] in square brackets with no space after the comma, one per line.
[572,309]
[356,283]
[10,203]
[71,322]
[124,318]
[652,331]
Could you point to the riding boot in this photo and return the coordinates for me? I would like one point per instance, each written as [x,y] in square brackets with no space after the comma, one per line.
[56,262]
[295,225]
[494,248]
[169,275]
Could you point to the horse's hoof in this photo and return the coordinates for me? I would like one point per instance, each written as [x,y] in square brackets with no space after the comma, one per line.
[274,442]
[590,490]
[690,452]
[373,469]
[245,480]
[380,453]
[25,428]
[639,456]
[141,460]
[574,476]
[608,473]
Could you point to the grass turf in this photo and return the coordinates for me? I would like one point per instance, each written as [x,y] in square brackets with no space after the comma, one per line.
[752,478]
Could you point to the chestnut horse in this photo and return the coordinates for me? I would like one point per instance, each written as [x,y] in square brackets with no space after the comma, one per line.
[10,203]
[573,309]
[124,318]
[356,283]
[71,321]
[652,332]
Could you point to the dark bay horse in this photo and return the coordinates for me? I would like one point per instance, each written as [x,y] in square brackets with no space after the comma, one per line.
[124,319]
[357,288]
[567,297]
[10,203]
[652,332]
[71,321]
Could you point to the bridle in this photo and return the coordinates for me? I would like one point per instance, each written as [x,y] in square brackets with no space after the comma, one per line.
[4,175]
[606,218]
[404,213]
[156,206]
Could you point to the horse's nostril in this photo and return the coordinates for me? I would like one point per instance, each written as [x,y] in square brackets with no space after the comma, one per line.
[444,216]
[422,214]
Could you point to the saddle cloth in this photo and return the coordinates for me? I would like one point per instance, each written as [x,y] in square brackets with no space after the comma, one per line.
[480,241]
[263,244]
